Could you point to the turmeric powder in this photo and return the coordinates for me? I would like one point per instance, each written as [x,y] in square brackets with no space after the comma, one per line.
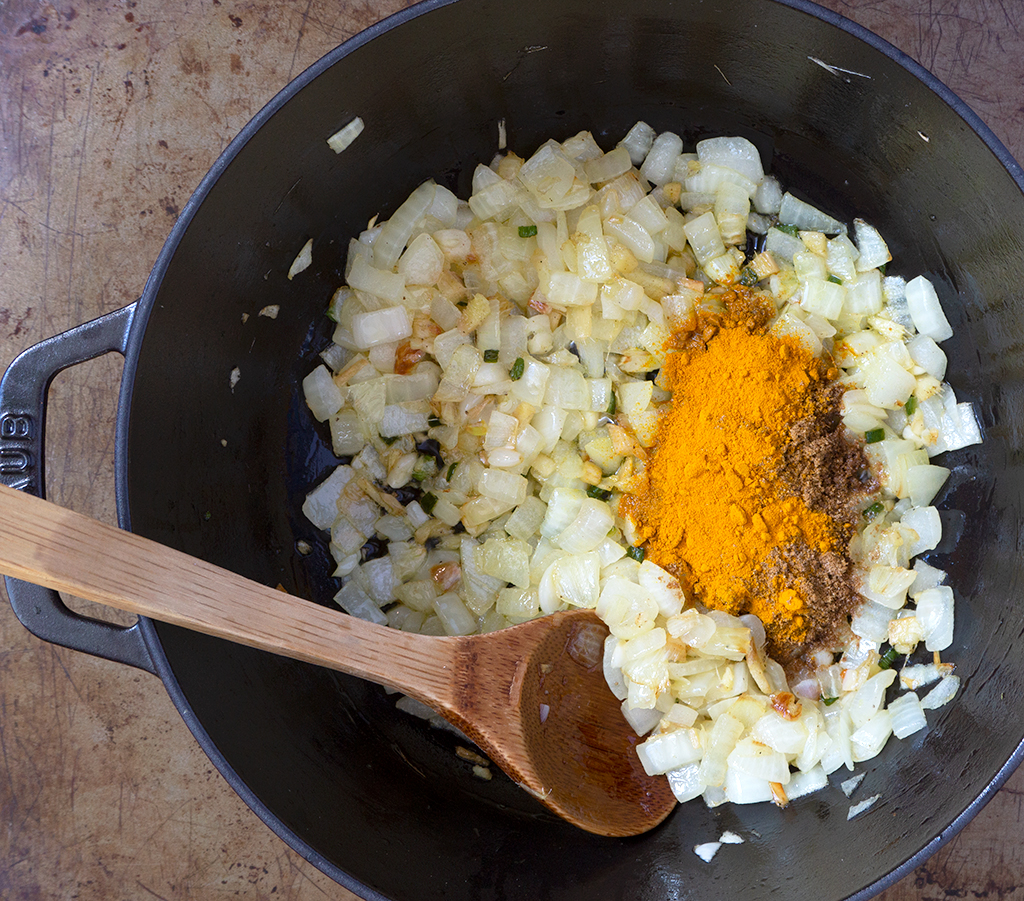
[715,507]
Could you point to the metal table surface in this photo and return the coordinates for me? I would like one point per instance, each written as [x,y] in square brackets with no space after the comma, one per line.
[110,114]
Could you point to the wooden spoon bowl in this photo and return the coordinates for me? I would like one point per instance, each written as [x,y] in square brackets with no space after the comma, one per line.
[533,696]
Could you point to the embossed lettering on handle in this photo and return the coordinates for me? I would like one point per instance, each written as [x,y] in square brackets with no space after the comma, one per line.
[18,448]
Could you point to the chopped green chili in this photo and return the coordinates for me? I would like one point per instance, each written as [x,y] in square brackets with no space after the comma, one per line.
[426,466]
[883,267]
[598,493]
[637,553]
[828,702]
[517,370]
[491,356]
[527,231]
[748,278]
[451,470]
[611,405]
[790,230]
[434,422]
[887,659]
[835,279]
[428,502]
[389,441]
[873,436]
[873,511]
[911,405]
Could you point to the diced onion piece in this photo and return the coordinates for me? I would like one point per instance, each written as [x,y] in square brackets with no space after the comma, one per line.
[704,238]
[454,615]
[321,504]
[823,298]
[793,211]
[849,786]
[744,788]
[638,141]
[626,608]
[506,559]
[857,809]
[873,250]
[733,153]
[925,522]
[725,732]
[608,166]
[753,757]
[927,577]
[353,600]
[303,261]
[888,384]
[588,529]
[935,613]
[871,621]
[867,700]
[789,324]
[732,207]
[670,751]
[400,419]
[928,355]
[686,784]
[707,850]
[942,694]
[642,720]
[323,396]
[924,482]
[907,715]
[660,162]
[926,310]
[342,138]
[869,739]
[381,327]
[806,783]
[663,587]
[781,245]
[396,232]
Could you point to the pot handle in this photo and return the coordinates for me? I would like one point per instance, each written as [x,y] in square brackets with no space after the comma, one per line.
[23,398]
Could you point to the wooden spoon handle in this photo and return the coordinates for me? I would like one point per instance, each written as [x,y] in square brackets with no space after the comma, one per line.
[49,545]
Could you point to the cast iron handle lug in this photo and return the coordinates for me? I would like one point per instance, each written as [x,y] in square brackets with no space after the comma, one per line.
[23,393]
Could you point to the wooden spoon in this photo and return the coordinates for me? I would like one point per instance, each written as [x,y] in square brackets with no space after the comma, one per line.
[533,696]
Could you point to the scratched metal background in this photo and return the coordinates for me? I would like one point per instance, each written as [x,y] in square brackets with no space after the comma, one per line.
[110,114]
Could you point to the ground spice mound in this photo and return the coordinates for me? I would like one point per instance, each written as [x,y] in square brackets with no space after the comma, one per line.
[751,491]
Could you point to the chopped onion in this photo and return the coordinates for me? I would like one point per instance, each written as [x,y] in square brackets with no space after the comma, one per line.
[926,311]
[638,142]
[342,138]
[381,327]
[935,613]
[686,784]
[670,751]
[942,694]
[857,809]
[659,164]
[302,262]
[397,231]
[322,395]
[707,850]
[927,526]
[793,211]
[907,715]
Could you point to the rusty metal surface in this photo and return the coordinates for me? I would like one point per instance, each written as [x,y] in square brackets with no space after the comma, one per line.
[110,114]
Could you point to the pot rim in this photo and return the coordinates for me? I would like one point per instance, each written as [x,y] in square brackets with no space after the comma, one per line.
[144,307]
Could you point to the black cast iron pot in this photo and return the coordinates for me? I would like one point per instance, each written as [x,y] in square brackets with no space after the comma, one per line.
[375,799]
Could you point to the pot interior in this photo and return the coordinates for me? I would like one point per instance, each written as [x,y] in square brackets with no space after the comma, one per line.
[379,800]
